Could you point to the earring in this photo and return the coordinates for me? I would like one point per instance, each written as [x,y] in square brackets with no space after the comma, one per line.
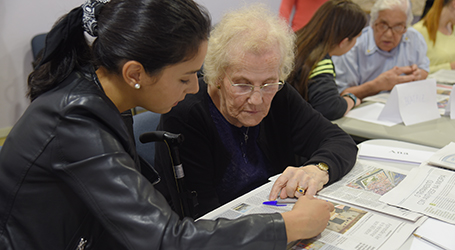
[137,86]
[218,86]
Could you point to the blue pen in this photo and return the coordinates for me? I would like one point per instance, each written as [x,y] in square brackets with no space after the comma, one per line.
[276,203]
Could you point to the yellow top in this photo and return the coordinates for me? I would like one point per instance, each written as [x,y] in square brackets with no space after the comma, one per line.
[442,53]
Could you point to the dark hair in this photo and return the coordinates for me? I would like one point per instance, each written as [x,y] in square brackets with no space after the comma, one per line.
[334,21]
[156,33]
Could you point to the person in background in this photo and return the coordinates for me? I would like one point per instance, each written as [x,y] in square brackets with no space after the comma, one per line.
[332,31]
[303,11]
[70,177]
[437,29]
[388,52]
[426,8]
[246,125]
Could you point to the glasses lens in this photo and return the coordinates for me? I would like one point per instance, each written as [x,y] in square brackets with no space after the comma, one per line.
[398,29]
[242,89]
[383,27]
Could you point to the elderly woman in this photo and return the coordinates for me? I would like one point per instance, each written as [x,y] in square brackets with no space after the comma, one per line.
[388,52]
[246,125]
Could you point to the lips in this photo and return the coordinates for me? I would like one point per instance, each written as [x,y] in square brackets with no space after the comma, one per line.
[251,112]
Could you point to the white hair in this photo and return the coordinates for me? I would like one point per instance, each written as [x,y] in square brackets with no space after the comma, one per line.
[380,5]
[253,28]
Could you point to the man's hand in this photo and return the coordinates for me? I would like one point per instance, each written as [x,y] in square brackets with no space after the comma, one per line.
[390,78]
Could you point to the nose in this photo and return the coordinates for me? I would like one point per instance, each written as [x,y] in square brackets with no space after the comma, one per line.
[388,32]
[255,97]
[194,85]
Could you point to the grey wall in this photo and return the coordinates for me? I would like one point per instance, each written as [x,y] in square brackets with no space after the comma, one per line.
[20,20]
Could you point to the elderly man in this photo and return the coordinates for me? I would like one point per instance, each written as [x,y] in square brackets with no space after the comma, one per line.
[245,124]
[387,53]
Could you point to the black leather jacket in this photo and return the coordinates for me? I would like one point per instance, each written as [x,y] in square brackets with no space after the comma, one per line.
[69,178]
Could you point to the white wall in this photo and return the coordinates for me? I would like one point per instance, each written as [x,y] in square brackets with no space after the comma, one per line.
[20,20]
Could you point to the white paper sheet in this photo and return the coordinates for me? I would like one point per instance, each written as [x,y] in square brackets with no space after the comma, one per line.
[378,152]
[450,106]
[382,98]
[412,103]
[436,231]
[370,113]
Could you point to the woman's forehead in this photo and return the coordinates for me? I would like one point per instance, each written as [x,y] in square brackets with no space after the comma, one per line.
[265,61]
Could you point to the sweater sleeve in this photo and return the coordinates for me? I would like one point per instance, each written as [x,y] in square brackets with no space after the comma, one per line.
[322,91]
[319,140]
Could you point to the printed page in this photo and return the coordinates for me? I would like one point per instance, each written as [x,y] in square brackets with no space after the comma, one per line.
[445,76]
[349,227]
[365,184]
[250,203]
[353,228]
[428,190]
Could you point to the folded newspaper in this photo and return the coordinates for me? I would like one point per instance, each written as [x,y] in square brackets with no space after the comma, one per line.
[445,157]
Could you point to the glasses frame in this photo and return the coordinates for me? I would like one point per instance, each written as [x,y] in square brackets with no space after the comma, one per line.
[393,29]
[252,87]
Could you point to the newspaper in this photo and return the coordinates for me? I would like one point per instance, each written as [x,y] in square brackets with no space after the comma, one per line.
[428,190]
[445,157]
[365,184]
[445,76]
[350,227]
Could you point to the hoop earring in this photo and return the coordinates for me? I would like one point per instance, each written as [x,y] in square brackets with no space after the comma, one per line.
[137,86]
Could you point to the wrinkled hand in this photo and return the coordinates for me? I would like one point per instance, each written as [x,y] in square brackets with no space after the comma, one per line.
[387,80]
[309,177]
[419,74]
[307,219]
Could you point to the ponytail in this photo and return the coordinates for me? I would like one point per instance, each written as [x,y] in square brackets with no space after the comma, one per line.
[431,20]
[65,48]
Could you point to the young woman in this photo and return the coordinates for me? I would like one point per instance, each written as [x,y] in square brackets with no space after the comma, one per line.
[333,30]
[70,177]
[437,29]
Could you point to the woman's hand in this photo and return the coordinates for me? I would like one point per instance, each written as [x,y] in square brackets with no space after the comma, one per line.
[310,178]
[307,219]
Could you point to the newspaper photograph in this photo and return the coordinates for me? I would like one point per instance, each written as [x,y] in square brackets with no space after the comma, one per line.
[364,185]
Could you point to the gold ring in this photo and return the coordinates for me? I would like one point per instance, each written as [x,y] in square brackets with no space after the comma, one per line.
[300,190]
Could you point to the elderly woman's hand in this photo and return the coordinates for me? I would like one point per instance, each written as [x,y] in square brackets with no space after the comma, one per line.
[309,178]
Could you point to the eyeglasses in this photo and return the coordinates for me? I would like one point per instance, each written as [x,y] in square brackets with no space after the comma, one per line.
[244,88]
[383,27]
